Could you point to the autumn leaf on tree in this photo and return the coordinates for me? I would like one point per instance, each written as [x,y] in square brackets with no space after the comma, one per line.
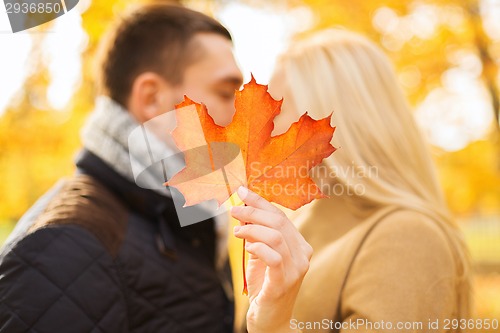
[220,159]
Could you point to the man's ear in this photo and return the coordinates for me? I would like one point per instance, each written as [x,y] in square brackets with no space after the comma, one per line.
[150,96]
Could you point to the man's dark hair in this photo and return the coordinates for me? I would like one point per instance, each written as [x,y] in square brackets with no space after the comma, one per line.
[154,37]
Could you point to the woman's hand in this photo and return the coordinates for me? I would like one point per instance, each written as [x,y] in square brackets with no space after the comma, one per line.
[279,259]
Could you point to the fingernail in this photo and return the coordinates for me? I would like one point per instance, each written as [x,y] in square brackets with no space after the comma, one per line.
[236,229]
[242,192]
[235,209]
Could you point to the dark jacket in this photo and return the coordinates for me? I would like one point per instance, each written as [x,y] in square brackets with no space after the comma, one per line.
[100,254]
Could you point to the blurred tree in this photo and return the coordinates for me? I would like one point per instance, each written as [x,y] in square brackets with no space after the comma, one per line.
[37,142]
[482,43]
[421,34]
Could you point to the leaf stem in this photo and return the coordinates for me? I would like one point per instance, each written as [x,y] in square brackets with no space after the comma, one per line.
[245,286]
[243,264]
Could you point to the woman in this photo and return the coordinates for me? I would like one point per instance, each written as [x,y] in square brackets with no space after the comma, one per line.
[387,255]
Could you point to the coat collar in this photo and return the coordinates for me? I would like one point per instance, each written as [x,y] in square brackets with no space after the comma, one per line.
[156,208]
[143,201]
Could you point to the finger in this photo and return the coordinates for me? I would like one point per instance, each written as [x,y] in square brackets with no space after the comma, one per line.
[283,267]
[296,242]
[265,253]
[272,238]
[253,199]
[258,216]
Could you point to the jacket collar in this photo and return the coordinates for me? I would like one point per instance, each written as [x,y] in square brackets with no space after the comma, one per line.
[143,201]
[149,204]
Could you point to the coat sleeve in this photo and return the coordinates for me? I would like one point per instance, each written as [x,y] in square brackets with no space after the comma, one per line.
[402,280]
[60,279]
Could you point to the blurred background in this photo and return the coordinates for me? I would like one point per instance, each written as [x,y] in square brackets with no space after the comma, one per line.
[447,55]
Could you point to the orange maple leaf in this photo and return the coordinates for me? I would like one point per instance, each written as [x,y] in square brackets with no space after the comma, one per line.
[220,159]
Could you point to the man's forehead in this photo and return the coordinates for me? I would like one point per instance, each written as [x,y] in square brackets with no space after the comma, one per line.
[209,39]
[217,54]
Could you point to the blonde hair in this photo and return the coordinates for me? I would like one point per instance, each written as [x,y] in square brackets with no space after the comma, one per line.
[343,72]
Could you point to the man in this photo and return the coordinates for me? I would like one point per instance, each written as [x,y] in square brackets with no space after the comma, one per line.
[99,253]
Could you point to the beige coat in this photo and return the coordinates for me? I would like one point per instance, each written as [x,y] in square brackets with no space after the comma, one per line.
[397,266]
